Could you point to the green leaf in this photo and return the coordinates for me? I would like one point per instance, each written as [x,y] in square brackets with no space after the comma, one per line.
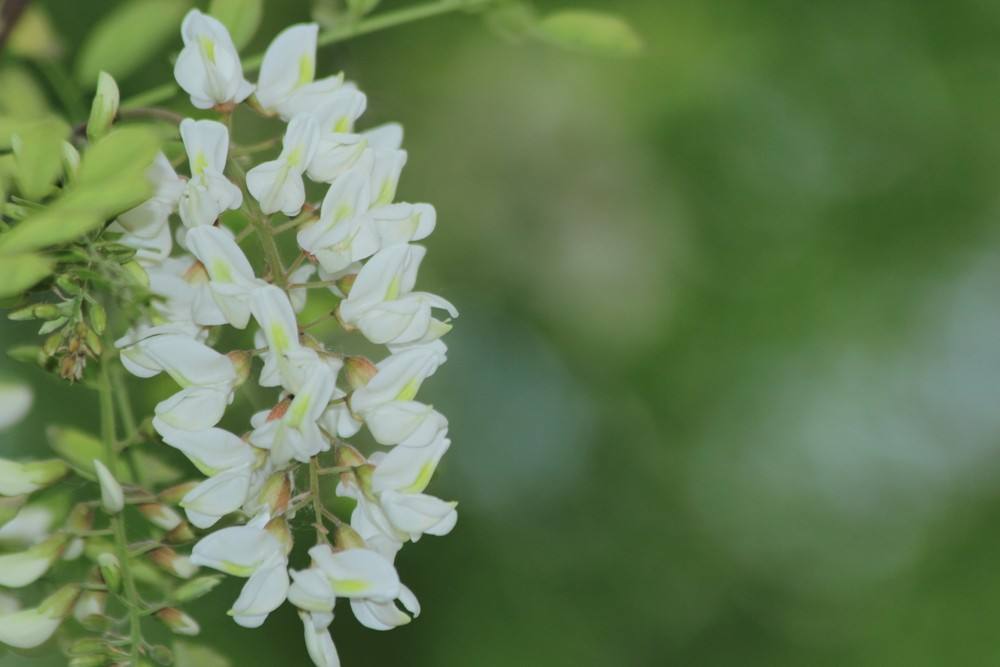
[242,17]
[120,154]
[33,36]
[22,271]
[38,156]
[57,223]
[127,38]
[589,32]
[22,96]
[79,449]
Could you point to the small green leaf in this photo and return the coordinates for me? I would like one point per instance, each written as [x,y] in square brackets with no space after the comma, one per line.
[33,36]
[242,17]
[22,96]
[38,156]
[79,449]
[589,32]
[128,37]
[22,271]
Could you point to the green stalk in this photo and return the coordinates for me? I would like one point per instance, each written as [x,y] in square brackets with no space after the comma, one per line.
[129,424]
[381,22]
[107,409]
[317,501]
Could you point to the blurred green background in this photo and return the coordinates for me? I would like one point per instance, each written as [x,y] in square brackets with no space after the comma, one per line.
[723,389]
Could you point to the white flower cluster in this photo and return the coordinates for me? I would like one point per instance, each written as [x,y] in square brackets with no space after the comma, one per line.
[210,282]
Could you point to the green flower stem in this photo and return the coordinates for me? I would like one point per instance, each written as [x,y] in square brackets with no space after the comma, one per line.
[132,603]
[257,219]
[128,421]
[151,97]
[322,534]
[383,21]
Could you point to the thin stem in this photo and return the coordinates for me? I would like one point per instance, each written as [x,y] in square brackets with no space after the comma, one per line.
[107,409]
[296,264]
[151,112]
[129,423]
[322,534]
[151,96]
[267,144]
[314,283]
[381,22]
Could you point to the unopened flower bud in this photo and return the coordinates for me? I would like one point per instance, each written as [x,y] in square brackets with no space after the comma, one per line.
[279,528]
[80,519]
[241,363]
[18,478]
[88,646]
[359,371]
[9,507]
[29,628]
[161,655]
[22,314]
[70,160]
[178,622]
[275,494]
[66,284]
[173,562]
[98,318]
[104,108]
[137,273]
[174,494]
[348,538]
[94,660]
[197,587]
[112,495]
[349,457]
[90,609]
[161,516]
[111,570]
[181,534]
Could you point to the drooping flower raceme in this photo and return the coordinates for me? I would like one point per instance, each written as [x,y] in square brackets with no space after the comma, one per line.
[360,245]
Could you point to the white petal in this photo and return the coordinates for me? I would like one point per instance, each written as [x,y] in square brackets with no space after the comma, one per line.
[15,401]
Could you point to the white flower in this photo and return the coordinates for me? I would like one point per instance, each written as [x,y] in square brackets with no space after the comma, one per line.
[278,184]
[398,379]
[18,478]
[386,615]
[350,573]
[217,496]
[112,496]
[292,432]
[319,643]
[208,67]
[15,401]
[209,192]
[212,450]
[338,145]
[248,551]
[25,567]
[146,227]
[232,280]
[409,469]
[206,377]
[286,84]
[384,307]
[408,424]
[344,233]
[32,627]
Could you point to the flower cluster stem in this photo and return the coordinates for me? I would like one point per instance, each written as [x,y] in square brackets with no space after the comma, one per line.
[131,592]
[317,501]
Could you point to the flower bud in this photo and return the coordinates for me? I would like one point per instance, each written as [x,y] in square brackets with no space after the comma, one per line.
[104,108]
[178,622]
[197,587]
[279,528]
[87,661]
[111,570]
[161,655]
[346,283]
[112,496]
[137,273]
[241,363]
[161,516]
[359,371]
[348,538]
[87,646]
[173,562]
[275,494]
[174,494]
[90,608]
[98,318]
[80,519]
[22,314]
[66,284]
[70,160]
[181,534]
[349,457]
